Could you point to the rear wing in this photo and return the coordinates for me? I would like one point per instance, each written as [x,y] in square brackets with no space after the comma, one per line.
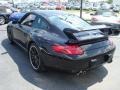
[103,28]
[85,36]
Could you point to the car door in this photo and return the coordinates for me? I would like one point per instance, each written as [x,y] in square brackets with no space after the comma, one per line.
[41,27]
[22,30]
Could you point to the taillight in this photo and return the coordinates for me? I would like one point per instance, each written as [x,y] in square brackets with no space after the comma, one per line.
[68,49]
[94,19]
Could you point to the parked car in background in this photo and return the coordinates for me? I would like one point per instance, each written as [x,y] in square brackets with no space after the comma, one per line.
[60,6]
[16,16]
[86,6]
[108,18]
[21,5]
[60,40]
[43,6]
[116,8]
[96,6]
[106,6]
[76,6]
[5,12]
[52,6]
[69,6]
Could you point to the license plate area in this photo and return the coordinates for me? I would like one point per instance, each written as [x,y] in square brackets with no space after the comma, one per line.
[97,61]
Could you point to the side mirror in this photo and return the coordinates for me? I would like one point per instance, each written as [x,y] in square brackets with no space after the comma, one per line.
[15,21]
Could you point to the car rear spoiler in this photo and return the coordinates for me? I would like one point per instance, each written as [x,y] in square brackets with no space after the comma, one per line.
[84,36]
[105,29]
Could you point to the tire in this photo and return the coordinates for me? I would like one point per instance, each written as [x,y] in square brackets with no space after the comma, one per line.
[2,20]
[10,36]
[116,32]
[35,53]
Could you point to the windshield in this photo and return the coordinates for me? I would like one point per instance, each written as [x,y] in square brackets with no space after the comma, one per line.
[107,14]
[68,21]
[104,13]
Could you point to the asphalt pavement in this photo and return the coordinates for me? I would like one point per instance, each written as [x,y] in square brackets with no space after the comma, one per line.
[16,72]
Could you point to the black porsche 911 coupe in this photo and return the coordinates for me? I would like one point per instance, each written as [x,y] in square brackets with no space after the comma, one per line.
[60,40]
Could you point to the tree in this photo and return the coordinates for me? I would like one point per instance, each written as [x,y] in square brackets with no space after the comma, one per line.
[110,1]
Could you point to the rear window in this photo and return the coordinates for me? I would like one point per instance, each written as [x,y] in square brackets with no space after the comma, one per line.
[104,12]
[68,21]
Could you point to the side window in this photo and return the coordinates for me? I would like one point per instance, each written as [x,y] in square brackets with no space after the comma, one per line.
[44,25]
[40,23]
[28,21]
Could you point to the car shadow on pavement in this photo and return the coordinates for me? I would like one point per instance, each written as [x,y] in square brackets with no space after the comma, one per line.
[52,80]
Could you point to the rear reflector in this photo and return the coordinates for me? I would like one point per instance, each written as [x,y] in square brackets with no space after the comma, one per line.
[68,49]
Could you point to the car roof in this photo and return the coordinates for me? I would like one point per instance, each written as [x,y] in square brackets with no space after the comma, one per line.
[49,13]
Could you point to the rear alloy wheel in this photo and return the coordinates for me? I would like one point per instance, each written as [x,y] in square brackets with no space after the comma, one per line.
[2,20]
[35,59]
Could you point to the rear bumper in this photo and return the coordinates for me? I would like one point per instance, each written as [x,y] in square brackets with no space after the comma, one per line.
[75,66]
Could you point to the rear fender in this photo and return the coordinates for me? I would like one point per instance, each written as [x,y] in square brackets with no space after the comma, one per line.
[36,41]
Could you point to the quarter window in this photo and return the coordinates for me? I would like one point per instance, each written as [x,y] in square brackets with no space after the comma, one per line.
[40,23]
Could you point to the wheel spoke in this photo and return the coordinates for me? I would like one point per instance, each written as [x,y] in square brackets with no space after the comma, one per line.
[34,56]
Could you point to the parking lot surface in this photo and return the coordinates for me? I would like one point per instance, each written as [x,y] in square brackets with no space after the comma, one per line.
[16,72]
